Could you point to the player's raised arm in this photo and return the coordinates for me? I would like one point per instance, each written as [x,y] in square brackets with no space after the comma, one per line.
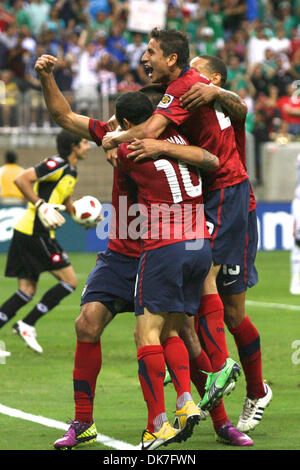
[151,148]
[56,103]
[152,128]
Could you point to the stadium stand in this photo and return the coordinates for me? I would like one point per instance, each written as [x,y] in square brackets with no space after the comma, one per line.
[96,46]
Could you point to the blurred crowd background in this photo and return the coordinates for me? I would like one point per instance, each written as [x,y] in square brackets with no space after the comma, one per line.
[99,55]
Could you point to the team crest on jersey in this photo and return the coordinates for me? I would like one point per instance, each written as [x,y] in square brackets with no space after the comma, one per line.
[165,101]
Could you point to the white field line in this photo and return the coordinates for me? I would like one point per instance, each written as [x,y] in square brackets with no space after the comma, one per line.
[271,305]
[52,423]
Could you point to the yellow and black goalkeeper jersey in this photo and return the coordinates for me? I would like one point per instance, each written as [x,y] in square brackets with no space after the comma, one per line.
[56,181]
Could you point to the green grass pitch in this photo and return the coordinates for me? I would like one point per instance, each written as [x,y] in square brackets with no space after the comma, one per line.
[42,384]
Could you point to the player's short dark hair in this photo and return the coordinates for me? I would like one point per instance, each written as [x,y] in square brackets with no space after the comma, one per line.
[172,41]
[10,156]
[135,106]
[155,92]
[216,65]
[65,141]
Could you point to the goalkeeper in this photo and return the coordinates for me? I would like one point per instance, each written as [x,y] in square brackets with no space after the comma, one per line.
[48,187]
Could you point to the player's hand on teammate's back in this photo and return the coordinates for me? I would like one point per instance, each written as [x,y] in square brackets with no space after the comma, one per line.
[45,64]
[108,140]
[198,95]
[112,157]
[145,148]
[49,215]
[112,123]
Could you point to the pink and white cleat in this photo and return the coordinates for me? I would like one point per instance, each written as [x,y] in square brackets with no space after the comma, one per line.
[228,434]
[78,433]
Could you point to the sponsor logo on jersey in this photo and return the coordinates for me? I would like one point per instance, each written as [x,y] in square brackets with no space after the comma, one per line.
[51,164]
[165,101]
[56,258]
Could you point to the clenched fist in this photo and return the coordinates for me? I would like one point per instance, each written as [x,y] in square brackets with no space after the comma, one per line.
[45,64]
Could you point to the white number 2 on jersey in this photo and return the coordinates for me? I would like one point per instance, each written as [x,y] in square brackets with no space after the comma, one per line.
[224,121]
[190,189]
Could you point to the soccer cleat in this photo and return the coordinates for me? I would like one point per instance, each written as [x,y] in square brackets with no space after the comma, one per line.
[220,383]
[163,437]
[185,420]
[203,414]
[228,434]
[28,334]
[253,410]
[168,379]
[78,433]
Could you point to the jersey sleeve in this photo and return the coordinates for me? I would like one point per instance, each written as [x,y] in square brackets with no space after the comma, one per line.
[170,105]
[49,169]
[97,130]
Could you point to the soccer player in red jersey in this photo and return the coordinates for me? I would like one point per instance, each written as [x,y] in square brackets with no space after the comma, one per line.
[233,280]
[167,58]
[170,273]
[110,285]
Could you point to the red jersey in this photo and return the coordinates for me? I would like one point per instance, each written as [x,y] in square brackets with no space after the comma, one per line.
[122,198]
[207,127]
[293,102]
[169,196]
[240,138]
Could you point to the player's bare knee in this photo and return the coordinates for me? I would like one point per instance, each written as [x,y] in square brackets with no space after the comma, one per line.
[28,287]
[87,329]
[233,316]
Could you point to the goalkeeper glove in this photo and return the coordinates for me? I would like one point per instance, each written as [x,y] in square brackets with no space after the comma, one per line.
[49,215]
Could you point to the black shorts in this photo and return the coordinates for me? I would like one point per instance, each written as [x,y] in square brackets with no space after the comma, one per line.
[30,255]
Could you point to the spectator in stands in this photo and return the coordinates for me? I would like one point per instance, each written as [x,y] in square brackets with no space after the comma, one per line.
[206,43]
[215,19]
[294,70]
[8,107]
[86,80]
[285,15]
[280,43]
[174,18]
[259,80]
[283,76]
[54,22]
[295,40]
[107,78]
[234,13]
[116,43]
[36,14]
[134,53]
[289,106]
[257,45]
[9,193]
[128,83]
[102,23]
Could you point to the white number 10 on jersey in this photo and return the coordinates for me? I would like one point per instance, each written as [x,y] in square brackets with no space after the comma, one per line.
[190,189]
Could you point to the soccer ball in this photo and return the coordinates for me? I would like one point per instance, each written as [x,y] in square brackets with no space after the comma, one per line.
[87,209]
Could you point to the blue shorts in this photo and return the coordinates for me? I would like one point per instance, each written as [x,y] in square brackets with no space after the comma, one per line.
[170,278]
[112,282]
[226,211]
[234,279]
